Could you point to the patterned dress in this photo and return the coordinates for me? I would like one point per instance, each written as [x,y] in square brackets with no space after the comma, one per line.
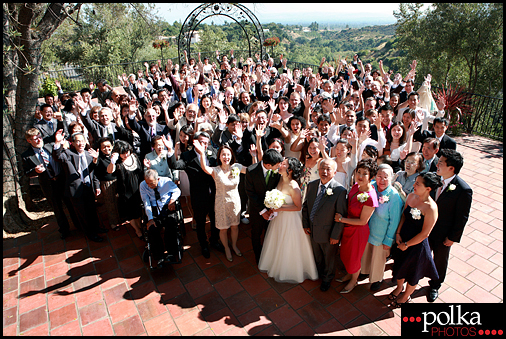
[227,205]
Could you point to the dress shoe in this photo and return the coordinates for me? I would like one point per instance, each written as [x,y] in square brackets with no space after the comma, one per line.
[206,253]
[376,285]
[102,230]
[64,235]
[217,246]
[324,287]
[96,238]
[433,294]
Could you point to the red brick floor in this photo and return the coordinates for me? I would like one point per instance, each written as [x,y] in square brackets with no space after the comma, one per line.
[75,287]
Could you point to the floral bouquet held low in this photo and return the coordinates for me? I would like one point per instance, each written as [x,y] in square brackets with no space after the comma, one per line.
[274,199]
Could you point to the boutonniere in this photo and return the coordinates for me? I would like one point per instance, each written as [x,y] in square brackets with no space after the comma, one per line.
[209,153]
[451,187]
[362,197]
[329,192]
[275,171]
[235,172]
[383,199]
[416,213]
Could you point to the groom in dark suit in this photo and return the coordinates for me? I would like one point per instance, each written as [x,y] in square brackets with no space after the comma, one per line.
[324,198]
[260,178]
[202,191]
[453,201]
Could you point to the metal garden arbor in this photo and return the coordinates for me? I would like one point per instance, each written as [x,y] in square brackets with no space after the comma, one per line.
[239,13]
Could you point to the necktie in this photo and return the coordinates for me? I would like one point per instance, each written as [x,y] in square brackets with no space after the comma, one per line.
[317,202]
[427,165]
[50,124]
[152,132]
[269,172]
[157,198]
[84,170]
[47,163]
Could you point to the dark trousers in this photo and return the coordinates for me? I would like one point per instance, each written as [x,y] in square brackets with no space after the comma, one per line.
[53,191]
[86,211]
[325,256]
[441,255]
[202,208]
[258,226]
[169,222]
[242,192]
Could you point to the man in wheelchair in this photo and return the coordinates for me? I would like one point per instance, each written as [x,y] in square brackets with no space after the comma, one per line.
[159,196]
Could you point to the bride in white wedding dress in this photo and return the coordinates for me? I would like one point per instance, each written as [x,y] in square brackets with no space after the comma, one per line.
[287,255]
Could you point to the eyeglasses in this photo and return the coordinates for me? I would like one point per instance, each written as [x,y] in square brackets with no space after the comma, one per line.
[37,137]
[192,111]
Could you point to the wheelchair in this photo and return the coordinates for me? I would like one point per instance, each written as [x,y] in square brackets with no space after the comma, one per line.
[169,221]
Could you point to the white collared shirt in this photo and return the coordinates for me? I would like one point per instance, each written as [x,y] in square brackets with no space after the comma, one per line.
[446,182]
[265,170]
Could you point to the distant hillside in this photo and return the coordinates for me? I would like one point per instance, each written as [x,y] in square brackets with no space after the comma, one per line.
[371,43]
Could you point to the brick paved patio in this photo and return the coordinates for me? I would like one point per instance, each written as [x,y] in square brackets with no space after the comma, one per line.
[76,287]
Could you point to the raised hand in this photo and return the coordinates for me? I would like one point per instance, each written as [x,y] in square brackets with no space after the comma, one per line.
[58,137]
[272,104]
[441,103]
[114,157]
[147,163]
[253,150]
[199,148]
[238,131]
[413,127]
[133,106]
[222,116]
[260,131]
[93,153]
[166,143]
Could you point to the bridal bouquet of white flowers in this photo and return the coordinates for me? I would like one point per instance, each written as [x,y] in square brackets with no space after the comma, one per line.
[274,199]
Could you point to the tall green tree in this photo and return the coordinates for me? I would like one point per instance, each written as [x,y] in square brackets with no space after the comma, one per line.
[455,42]
[26,27]
[108,33]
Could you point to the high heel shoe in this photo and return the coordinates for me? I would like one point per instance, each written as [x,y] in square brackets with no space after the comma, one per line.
[238,253]
[229,258]
[344,290]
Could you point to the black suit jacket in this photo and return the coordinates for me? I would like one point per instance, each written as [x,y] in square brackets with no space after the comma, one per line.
[251,138]
[30,161]
[74,186]
[453,211]
[98,130]
[433,164]
[256,188]
[142,128]
[446,142]
[201,183]
[48,134]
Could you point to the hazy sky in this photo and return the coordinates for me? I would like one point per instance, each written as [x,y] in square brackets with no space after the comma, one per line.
[295,12]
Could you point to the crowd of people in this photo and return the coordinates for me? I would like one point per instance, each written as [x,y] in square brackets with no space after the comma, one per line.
[361,159]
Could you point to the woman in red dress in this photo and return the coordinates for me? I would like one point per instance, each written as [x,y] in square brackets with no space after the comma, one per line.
[362,201]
